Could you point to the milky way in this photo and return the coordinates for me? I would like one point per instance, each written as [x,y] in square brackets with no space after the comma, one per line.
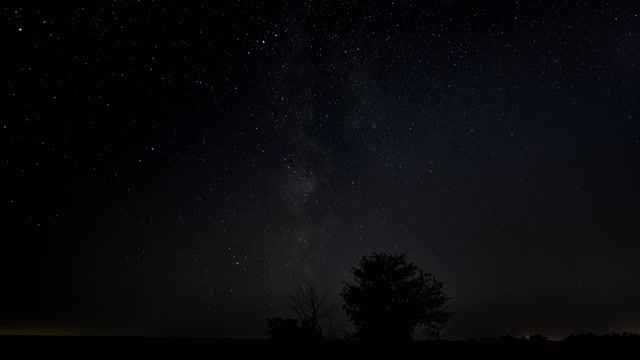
[175,169]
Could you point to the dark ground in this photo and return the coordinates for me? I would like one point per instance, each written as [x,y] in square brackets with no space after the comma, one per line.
[77,345]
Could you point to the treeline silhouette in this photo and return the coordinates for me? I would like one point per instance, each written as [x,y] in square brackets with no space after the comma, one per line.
[389,298]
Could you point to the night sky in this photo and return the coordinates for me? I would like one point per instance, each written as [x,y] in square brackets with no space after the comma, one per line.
[174,168]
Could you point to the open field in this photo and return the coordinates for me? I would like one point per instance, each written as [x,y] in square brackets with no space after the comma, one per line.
[91,346]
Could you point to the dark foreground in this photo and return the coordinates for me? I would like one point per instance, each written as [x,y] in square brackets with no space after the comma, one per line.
[124,346]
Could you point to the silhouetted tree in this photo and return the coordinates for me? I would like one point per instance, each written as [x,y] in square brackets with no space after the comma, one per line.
[389,297]
[431,334]
[310,308]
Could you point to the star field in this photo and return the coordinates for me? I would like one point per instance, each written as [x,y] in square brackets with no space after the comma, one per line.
[174,169]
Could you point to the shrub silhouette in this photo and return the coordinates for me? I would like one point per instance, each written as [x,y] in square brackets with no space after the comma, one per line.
[279,328]
[389,297]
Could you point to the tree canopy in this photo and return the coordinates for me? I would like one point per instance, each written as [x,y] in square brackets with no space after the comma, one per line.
[389,297]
